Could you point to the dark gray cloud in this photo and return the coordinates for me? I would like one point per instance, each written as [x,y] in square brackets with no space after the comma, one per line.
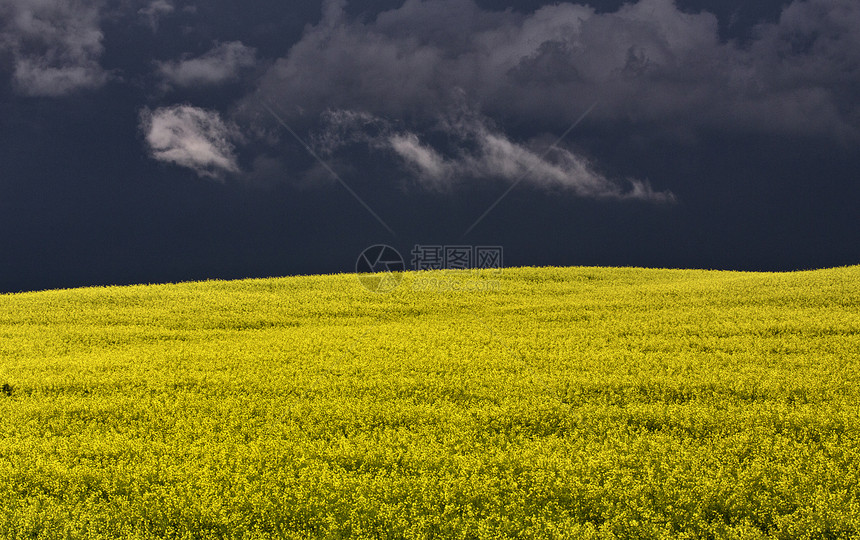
[414,68]
[647,62]
[56,45]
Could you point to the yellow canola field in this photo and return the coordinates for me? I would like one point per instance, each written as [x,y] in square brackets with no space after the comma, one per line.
[592,403]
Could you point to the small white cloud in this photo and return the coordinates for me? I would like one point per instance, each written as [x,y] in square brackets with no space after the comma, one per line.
[222,63]
[191,137]
[155,10]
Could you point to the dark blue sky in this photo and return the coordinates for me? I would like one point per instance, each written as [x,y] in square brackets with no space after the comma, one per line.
[150,141]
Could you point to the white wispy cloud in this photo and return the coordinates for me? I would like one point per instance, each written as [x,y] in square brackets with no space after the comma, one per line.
[478,151]
[192,137]
[431,167]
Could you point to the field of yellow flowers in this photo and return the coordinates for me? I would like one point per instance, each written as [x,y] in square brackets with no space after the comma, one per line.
[591,403]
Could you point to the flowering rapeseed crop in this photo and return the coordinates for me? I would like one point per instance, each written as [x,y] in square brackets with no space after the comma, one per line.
[559,403]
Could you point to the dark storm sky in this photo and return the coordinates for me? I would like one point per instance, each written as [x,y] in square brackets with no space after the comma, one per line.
[148,141]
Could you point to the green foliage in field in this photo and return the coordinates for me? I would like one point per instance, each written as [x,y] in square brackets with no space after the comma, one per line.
[535,403]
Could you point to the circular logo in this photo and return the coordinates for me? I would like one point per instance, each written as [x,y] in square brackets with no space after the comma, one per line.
[380,268]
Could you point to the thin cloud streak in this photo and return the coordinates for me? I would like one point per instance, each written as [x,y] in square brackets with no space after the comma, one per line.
[326,166]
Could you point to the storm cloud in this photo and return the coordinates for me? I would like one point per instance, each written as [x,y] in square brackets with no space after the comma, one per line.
[56,45]
[648,63]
